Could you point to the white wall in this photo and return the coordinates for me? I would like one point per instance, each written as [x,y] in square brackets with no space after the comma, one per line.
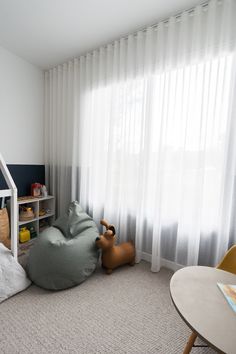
[21,110]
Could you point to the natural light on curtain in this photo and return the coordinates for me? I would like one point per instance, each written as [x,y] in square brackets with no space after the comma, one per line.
[185,140]
[142,133]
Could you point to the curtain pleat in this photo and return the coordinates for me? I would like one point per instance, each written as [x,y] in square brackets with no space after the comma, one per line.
[141,132]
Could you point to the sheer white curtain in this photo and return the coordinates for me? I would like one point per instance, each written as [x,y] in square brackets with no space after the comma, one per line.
[142,133]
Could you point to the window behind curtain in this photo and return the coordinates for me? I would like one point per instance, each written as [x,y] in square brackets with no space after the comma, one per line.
[178,120]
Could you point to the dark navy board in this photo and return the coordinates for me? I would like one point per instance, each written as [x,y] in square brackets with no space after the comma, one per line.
[24,176]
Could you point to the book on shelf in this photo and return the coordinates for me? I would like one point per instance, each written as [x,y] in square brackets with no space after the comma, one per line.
[229,292]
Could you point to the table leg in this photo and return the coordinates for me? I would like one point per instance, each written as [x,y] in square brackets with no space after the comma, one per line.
[190,343]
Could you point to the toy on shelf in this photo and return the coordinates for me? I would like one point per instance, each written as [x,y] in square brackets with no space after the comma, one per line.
[44,191]
[24,235]
[42,212]
[114,256]
[26,213]
[36,189]
[33,232]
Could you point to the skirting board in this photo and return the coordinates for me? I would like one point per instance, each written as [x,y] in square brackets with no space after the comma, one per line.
[164,262]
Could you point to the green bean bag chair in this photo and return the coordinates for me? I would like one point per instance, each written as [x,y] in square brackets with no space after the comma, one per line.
[65,254]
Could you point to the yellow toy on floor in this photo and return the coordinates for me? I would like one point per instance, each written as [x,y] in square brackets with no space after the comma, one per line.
[114,256]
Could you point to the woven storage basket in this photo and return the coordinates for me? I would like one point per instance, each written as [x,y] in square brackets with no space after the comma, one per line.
[4,228]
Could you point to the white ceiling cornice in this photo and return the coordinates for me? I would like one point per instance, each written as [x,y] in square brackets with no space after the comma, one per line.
[49,32]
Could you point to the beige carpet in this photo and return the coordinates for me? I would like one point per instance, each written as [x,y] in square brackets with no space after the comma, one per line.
[129,311]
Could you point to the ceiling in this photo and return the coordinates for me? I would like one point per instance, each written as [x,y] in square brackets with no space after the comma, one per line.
[49,32]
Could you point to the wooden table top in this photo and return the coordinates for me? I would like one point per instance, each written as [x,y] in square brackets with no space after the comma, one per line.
[203,307]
